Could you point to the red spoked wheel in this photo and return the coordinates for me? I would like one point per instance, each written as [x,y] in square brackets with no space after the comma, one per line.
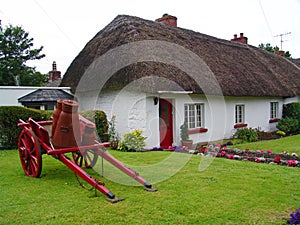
[30,153]
[87,158]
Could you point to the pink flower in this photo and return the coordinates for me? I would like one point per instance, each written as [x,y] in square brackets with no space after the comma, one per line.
[292,162]
[185,148]
[257,160]
[230,156]
[223,153]
[224,147]
[218,145]
[269,151]
[261,151]
[170,148]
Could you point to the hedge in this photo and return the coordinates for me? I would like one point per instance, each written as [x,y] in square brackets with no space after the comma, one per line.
[290,122]
[291,110]
[10,115]
[100,119]
[9,118]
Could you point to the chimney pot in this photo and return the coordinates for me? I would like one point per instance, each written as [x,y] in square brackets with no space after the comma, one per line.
[168,19]
[242,39]
[54,66]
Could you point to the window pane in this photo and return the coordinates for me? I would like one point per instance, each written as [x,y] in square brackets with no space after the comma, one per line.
[239,113]
[274,110]
[186,114]
[199,115]
[192,116]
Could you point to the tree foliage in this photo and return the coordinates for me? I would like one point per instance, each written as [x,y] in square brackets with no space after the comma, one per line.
[16,48]
[270,48]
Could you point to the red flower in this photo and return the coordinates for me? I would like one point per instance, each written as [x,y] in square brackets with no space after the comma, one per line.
[277,159]
[203,150]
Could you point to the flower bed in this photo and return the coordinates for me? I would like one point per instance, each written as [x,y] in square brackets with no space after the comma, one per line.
[258,156]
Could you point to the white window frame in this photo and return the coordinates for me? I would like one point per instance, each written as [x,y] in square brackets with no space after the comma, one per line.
[194,115]
[239,114]
[274,110]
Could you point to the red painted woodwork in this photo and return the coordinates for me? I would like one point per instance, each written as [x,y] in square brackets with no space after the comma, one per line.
[240,125]
[34,141]
[165,123]
[198,130]
[274,120]
[67,132]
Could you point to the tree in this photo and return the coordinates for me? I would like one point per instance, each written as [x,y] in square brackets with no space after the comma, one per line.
[269,48]
[16,48]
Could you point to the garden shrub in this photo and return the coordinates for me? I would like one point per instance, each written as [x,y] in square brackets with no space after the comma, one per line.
[248,135]
[99,118]
[133,141]
[291,110]
[9,118]
[288,125]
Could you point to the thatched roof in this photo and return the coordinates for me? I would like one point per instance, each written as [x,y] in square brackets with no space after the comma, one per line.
[239,69]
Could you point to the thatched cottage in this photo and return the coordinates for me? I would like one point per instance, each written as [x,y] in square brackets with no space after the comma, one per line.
[155,76]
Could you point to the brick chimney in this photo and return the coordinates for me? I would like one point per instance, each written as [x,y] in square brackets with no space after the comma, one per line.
[242,39]
[280,52]
[168,19]
[54,74]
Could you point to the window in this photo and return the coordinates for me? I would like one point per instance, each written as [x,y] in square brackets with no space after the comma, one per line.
[239,114]
[274,110]
[194,115]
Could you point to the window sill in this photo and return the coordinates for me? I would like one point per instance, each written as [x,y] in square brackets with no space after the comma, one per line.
[275,120]
[240,125]
[198,130]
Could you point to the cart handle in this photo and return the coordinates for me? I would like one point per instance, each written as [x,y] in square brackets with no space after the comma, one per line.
[22,123]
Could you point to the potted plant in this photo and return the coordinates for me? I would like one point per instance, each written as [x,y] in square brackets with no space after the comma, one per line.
[113,134]
[184,134]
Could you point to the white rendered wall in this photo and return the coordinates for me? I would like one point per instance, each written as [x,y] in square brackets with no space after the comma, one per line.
[135,110]
[257,112]
[9,94]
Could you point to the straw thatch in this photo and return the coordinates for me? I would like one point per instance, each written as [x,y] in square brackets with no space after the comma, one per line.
[239,69]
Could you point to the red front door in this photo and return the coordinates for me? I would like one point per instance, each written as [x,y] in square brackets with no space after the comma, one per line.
[165,123]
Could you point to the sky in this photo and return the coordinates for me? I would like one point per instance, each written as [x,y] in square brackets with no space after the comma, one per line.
[64,27]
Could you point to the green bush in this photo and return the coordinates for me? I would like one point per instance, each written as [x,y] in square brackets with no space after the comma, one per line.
[9,118]
[133,141]
[291,110]
[248,135]
[288,125]
[99,118]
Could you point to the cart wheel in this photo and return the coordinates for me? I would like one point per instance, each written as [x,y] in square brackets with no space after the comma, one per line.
[87,158]
[30,153]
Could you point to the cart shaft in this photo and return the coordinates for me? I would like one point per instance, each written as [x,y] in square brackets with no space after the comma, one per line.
[80,172]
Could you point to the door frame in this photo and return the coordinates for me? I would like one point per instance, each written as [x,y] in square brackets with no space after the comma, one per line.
[171,108]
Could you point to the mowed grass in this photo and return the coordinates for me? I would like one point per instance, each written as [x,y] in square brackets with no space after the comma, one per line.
[226,192]
[290,144]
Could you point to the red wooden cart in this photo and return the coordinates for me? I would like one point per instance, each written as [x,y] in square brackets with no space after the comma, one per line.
[34,140]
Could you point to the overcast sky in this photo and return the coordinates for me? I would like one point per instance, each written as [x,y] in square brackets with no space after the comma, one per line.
[64,27]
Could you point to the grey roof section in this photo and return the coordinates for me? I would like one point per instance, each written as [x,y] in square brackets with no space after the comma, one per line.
[45,95]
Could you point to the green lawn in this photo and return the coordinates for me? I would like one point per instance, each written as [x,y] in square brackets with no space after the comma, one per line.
[227,192]
[289,144]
